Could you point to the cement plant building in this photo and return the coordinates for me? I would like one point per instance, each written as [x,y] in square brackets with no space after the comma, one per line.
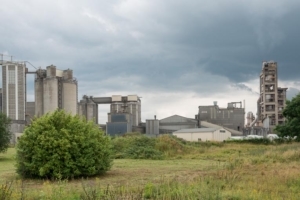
[232,117]
[13,90]
[272,98]
[55,89]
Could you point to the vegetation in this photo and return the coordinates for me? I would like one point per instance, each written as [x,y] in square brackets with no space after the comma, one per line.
[201,171]
[186,170]
[5,134]
[60,146]
[291,128]
[138,146]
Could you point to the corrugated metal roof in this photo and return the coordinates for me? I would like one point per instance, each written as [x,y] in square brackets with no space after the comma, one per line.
[209,125]
[177,118]
[196,130]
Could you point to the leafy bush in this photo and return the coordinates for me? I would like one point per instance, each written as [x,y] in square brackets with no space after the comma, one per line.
[265,141]
[136,147]
[5,134]
[59,145]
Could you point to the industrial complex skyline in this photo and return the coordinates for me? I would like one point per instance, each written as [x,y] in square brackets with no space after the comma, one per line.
[176,56]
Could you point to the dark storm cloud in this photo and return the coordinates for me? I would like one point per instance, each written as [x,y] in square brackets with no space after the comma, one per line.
[197,46]
[292,92]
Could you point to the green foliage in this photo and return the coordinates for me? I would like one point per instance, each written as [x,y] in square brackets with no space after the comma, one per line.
[59,145]
[136,146]
[5,134]
[265,141]
[291,128]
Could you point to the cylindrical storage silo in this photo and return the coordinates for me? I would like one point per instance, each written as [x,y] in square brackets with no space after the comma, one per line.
[50,86]
[69,97]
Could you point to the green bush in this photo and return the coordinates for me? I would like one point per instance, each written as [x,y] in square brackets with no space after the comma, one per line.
[136,147]
[59,145]
[5,134]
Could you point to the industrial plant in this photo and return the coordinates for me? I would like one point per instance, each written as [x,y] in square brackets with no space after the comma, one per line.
[58,89]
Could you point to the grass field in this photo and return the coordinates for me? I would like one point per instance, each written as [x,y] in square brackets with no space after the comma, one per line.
[227,171]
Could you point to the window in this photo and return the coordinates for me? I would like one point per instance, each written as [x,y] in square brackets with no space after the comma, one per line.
[222,131]
[203,111]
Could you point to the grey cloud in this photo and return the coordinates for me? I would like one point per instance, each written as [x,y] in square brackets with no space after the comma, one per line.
[291,93]
[197,46]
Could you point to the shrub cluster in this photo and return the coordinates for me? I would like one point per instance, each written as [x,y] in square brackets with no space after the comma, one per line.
[59,145]
[138,146]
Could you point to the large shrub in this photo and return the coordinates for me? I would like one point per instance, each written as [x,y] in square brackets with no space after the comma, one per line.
[59,145]
[5,134]
[136,146]
[291,127]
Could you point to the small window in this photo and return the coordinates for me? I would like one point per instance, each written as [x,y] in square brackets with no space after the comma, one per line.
[222,131]
[204,111]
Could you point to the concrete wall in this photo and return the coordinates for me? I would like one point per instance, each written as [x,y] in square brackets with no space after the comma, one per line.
[39,97]
[233,118]
[195,137]
[152,126]
[218,135]
[30,111]
[16,127]
[88,109]
[50,99]
[13,94]
[69,97]
[176,122]
[221,135]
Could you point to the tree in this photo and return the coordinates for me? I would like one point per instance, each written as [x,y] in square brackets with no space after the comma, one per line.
[291,127]
[5,134]
[59,145]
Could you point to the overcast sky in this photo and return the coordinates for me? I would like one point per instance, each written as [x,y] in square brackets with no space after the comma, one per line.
[176,55]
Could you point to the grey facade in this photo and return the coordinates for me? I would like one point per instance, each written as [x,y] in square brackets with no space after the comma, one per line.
[152,126]
[176,122]
[272,98]
[0,99]
[119,124]
[169,124]
[88,108]
[232,117]
[55,89]
[30,111]
[127,104]
[13,90]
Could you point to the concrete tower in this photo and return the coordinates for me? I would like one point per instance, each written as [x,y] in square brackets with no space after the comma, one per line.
[14,90]
[55,89]
[272,98]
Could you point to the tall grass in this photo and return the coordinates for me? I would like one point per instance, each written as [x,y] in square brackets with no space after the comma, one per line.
[186,171]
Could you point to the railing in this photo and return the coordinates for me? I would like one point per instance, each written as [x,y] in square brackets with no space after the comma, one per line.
[280,96]
[269,110]
[269,100]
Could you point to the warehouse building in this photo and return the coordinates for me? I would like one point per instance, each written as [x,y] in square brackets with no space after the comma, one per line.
[203,134]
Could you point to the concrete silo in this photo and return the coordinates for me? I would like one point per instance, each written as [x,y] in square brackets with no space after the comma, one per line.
[13,90]
[54,89]
[88,109]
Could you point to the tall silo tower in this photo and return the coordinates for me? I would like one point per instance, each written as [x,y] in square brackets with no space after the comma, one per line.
[55,89]
[14,90]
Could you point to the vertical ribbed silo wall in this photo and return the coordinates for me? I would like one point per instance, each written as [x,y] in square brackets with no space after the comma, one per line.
[21,91]
[39,92]
[4,91]
[50,100]
[69,97]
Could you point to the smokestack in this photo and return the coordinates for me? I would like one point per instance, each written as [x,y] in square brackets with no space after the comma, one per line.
[154,116]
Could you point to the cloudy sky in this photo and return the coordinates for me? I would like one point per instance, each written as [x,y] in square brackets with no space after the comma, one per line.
[176,55]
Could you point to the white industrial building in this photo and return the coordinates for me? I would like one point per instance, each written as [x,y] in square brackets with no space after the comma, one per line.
[203,134]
